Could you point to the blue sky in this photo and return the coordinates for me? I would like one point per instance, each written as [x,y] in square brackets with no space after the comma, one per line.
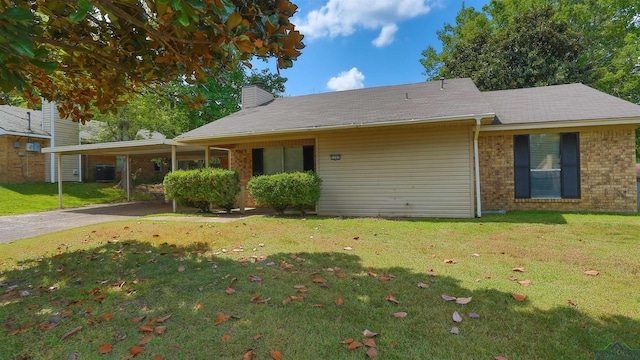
[353,44]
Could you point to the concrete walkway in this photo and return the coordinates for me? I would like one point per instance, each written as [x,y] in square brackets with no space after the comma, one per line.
[17,227]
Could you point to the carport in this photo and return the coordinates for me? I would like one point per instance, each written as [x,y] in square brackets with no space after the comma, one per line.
[127,149]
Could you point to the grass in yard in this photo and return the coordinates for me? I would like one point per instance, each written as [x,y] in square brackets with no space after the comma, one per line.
[33,197]
[301,287]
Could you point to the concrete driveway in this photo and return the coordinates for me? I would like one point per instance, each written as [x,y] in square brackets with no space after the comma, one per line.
[28,225]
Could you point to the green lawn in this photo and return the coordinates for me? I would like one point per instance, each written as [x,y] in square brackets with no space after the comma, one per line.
[303,286]
[27,198]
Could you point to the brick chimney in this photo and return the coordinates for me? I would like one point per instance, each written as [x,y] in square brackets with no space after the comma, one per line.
[254,95]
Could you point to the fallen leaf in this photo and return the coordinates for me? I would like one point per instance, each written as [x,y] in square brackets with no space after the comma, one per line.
[341,275]
[513,278]
[136,320]
[317,305]
[591,272]
[474,316]
[255,298]
[463,301]
[47,326]
[145,328]
[391,299]
[226,337]
[368,333]
[338,301]
[372,274]
[159,330]
[572,303]
[255,278]
[105,348]
[263,301]
[163,319]
[450,261]
[348,248]
[384,278]
[70,333]
[400,314]
[145,339]
[318,280]
[276,354]
[181,268]
[431,272]
[199,306]
[257,336]
[372,353]
[107,316]
[66,313]
[347,341]
[518,269]
[354,345]
[230,291]
[475,255]
[370,342]
[447,297]
[487,276]
[222,317]
[422,285]
[500,358]
[519,297]
[136,350]
[525,282]
[455,330]
[249,355]
[457,317]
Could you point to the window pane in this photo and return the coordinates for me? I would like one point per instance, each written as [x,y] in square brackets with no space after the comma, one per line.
[272,161]
[545,151]
[545,165]
[545,184]
[293,159]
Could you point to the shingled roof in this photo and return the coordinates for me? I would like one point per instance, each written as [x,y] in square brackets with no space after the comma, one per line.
[15,120]
[572,102]
[424,101]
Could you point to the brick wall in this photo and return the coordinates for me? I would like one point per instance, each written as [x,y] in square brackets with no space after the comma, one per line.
[21,169]
[607,172]
[240,160]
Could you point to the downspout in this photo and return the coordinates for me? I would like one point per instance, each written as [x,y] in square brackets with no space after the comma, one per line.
[53,142]
[477,167]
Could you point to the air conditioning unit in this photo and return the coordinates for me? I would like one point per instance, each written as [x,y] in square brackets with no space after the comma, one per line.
[33,146]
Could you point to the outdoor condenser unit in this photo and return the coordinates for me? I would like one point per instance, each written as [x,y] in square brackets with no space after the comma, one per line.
[33,146]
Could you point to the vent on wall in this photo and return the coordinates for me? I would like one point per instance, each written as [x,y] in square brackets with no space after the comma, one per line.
[33,146]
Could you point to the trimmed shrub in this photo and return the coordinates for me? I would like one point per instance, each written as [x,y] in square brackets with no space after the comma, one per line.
[198,188]
[297,190]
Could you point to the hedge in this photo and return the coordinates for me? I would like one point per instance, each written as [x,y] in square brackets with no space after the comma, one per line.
[201,187]
[297,190]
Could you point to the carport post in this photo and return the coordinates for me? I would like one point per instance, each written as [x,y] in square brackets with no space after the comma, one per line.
[59,164]
[206,157]
[127,159]
[174,166]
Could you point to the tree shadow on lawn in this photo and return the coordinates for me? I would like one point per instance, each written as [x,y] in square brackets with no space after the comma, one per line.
[118,291]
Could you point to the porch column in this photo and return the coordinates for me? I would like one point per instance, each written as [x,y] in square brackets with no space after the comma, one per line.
[128,180]
[174,166]
[207,155]
[59,165]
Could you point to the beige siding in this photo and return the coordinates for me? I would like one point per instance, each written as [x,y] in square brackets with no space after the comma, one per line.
[253,96]
[64,132]
[405,172]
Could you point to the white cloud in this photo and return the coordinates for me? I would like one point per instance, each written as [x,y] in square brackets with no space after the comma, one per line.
[344,17]
[387,35]
[347,80]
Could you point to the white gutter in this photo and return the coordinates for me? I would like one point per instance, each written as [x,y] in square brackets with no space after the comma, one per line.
[16,133]
[476,154]
[562,124]
[338,127]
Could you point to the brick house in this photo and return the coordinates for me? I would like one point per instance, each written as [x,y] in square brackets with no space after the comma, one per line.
[23,132]
[430,149]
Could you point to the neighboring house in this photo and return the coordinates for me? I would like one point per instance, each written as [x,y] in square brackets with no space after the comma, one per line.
[440,149]
[23,132]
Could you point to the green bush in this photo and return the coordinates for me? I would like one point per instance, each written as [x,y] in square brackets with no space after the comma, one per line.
[297,190]
[198,188]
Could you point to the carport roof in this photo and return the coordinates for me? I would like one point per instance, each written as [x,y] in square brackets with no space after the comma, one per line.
[121,148]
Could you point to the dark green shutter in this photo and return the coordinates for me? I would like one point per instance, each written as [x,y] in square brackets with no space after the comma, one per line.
[522,182]
[308,158]
[257,160]
[570,165]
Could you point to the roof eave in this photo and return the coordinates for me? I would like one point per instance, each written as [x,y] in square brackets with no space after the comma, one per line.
[75,149]
[562,124]
[17,133]
[340,127]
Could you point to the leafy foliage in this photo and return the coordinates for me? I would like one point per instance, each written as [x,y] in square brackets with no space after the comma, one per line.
[199,188]
[91,53]
[297,190]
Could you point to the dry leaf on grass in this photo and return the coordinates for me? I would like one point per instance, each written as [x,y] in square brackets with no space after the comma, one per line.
[518,269]
[591,272]
[105,348]
[249,355]
[450,261]
[70,333]
[221,317]
[136,350]
[372,353]
[422,285]
[572,303]
[500,358]
[525,282]
[391,299]
[463,301]
[276,354]
[159,330]
[399,314]
[226,337]
[447,297]
[354,345]
[230,291]
[474,316]
[145,328]
[338,301]
[370,342]
[145,340]
[457,317]
[519,297]
[455,330]
[347,341]
[181,268]
[107,316]
[163,319]
[368,333]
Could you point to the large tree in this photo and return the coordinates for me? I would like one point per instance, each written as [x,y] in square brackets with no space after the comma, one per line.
[89,54]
